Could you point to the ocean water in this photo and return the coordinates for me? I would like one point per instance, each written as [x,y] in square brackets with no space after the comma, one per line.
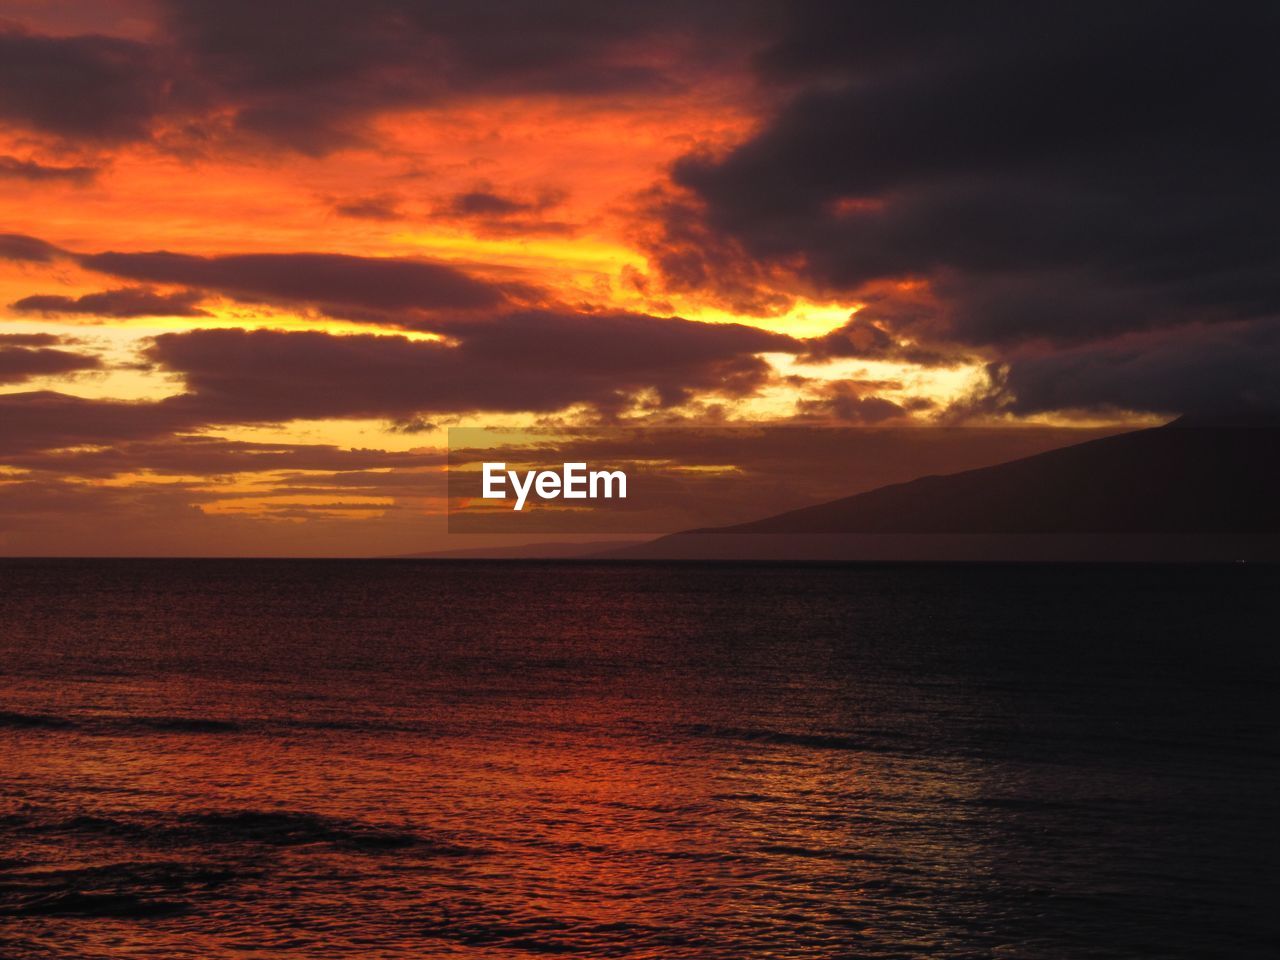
[215,759]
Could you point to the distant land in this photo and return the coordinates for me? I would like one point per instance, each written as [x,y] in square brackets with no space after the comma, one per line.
[1190,490]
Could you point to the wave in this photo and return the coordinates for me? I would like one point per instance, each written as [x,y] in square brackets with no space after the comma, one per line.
[100,725]
[186,724]
[471,924]
[75,904]
[816,741]
[287,828]
[31,721]
[109,725]
[128,890]
[272,828]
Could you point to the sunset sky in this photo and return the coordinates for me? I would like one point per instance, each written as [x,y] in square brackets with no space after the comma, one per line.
[256,258]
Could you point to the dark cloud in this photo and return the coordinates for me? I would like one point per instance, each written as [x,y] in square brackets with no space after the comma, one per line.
[25,357]
[483,203]
[19,248]
[537,361]
[411,425]
[326,280]
[1207,369]
[11,168]
[1089,138]
[621,354]
[486,203]
[1058,179]
[851,401]
[90,87]
[125,302]
[1063,174]
[495,214]
[400,291]
[691,256]
[31,339]
[380,206]
[309,76]
[866,339]
[46,420]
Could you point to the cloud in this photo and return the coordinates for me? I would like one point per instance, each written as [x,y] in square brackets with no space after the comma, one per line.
[86,87]
[19,248]
[688,255]
[308,76]
[411,425]
[867,339]
[125,302]
[381,206]
[31,339]
[540,361]
[218,457]
[530,361]
[311,77]
[11,168]
[401,291]
[326,280]
[489,213]
[46,420]
[486,203]
[1204,369]
[24,357]
[1062,177]
[483,203]
[850,401]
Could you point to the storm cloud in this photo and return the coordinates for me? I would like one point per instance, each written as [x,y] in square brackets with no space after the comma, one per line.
[1063,175]
[1220,369]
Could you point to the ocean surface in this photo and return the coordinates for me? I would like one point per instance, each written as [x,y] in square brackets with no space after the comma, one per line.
[265,759]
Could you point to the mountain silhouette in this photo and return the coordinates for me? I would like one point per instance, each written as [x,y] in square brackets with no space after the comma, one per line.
[1201,488]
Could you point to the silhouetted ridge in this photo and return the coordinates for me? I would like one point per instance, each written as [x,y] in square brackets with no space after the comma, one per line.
[1184,479]
[1201,489]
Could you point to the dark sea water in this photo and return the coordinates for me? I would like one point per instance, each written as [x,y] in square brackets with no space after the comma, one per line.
[209,759]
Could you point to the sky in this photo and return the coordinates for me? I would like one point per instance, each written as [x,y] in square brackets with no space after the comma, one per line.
[256,258]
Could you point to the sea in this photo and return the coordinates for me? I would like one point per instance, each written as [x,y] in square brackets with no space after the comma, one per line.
[471,759]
